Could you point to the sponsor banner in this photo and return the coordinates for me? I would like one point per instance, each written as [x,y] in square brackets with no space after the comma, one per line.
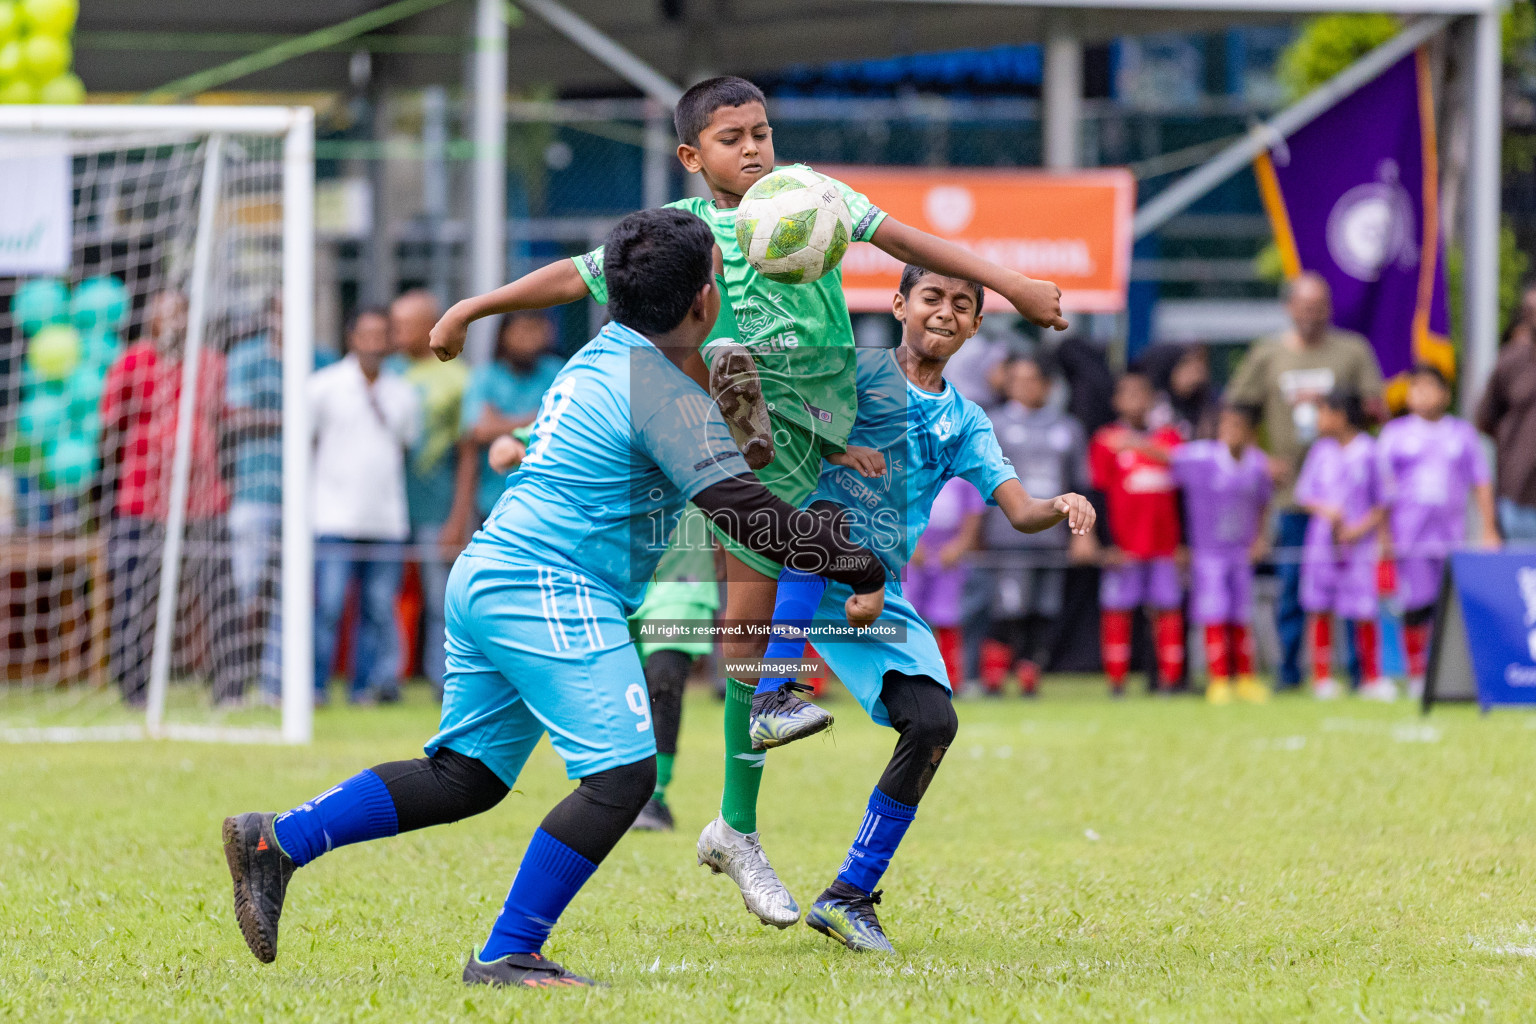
[1072,228]
[35,218]
[1496,591]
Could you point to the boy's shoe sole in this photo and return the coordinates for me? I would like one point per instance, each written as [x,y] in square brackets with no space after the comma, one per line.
[260,871]
[738,392]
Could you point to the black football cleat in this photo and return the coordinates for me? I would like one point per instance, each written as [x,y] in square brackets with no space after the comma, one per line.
[781,716]
[848,915]
[522,970]
[655,816]
[260,870]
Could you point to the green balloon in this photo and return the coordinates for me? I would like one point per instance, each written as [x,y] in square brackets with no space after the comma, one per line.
[10,20]
[99,348]
[84,390]
[71,464]
[17,91]
[45,57]
[99,304]
[51,17]
[10,59]
[43,417]
[64,91]
[40,302]
[54,352]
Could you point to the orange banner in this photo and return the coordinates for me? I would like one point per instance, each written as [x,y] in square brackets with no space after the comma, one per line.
[1072,228]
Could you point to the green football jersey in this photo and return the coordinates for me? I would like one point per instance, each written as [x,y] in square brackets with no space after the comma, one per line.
[799,334]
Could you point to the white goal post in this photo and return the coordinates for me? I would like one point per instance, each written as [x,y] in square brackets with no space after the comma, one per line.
[214,207]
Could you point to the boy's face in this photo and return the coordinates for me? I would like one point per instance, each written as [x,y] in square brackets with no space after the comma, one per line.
[734,149]
[1133,400]
[1427,397]
[937,316]
[1027,385]
[525,339]
[1233,430]
[1331,421]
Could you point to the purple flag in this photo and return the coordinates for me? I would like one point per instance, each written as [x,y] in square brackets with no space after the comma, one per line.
[1354,196]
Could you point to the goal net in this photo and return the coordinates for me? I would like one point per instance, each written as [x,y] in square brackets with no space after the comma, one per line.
[155,303]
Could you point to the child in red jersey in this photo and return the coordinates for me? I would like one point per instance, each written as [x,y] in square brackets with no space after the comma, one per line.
[1129,464]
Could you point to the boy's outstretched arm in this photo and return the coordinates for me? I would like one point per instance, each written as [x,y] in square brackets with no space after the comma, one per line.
[1039,302]
[1031,515]
[554,285]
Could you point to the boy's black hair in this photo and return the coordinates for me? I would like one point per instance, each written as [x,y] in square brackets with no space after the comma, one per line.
[1349,402]
[698,105]
[912,273]
[1431,371]
[1251,414]
[357,316]
[654,263]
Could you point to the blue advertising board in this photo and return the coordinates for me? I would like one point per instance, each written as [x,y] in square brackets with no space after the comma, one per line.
[1485,635]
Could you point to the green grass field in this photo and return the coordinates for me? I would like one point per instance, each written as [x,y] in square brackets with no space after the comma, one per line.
[1075,860]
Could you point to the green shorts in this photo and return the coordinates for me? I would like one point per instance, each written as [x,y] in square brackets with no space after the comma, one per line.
[690,604]
[792,475]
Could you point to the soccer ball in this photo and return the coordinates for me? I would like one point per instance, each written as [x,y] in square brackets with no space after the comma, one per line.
[793,225]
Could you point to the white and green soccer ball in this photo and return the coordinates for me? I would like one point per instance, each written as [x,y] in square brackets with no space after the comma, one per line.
[793,226]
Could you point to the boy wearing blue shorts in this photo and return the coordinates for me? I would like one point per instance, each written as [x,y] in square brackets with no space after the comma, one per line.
[536,610]
[914,433]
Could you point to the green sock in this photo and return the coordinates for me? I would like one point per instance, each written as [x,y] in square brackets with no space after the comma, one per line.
[663,775]
[743,765]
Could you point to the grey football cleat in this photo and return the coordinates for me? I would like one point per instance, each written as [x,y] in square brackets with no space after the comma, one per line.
[738,392]
[739,856]
[260,870]
[780,717]
[523,970]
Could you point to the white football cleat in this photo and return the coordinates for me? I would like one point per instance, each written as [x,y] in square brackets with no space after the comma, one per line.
[1326,688]
[1381,688]
[740,856]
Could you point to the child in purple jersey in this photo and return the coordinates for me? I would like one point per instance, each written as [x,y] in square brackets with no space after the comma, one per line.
[1338,486]
[936,576]
[1429,463]
[1226,487]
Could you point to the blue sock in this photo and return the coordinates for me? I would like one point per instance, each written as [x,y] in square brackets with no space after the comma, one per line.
[547,880]
[794,604]
[885,823]
[353,812]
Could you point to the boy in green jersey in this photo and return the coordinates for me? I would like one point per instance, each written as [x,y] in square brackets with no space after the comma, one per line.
[801,341]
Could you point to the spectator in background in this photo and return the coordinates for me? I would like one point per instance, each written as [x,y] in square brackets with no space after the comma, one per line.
[253,415]
[1507,413]
[431,463]
[1129,463]
[362,421]
[937,575]
[1288,376]
[139,411]
[1186,399]
[1023,603]
[1085,368]
[1429,464]
[502,396]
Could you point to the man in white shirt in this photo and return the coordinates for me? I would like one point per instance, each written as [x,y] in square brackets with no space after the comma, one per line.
[362,420]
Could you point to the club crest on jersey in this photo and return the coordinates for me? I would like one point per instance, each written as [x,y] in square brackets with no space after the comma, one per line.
[946,426]
[761,318]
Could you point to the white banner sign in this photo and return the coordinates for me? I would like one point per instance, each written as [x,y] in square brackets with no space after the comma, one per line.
[35,217]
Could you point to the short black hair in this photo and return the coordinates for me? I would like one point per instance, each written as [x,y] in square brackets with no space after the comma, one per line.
[698,105]
[358,315]
[1349,402]
[654,263]
[1251,414]
[1433,372]
[912,273]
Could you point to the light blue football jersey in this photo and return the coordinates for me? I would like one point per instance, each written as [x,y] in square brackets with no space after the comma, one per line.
[623,439]
[926,439]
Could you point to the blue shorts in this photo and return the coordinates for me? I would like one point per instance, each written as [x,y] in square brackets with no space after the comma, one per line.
[861,664]
[534,650]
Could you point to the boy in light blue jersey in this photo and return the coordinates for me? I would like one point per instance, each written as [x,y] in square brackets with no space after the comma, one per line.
[914,434]
[536,610]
